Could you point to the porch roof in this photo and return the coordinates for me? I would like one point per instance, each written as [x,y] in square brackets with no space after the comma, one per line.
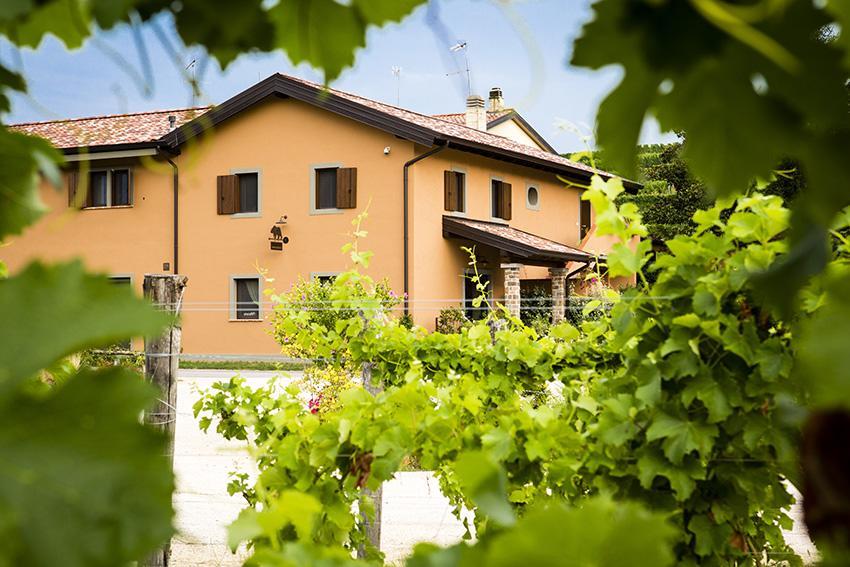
[514,244]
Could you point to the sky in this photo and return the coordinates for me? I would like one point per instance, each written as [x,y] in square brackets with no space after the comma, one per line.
[522,47]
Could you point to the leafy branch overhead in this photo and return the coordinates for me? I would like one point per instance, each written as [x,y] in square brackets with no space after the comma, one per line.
[323,33]
[749,84]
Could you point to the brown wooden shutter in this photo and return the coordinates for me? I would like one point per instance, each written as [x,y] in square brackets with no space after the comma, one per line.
[505,196]
[72,188]
[450,191]
[346,188]
[228,194]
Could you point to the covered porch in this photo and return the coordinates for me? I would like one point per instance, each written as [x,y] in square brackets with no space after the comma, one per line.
[517,249]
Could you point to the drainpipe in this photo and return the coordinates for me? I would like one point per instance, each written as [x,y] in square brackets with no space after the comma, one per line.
[175,206]
[407,165]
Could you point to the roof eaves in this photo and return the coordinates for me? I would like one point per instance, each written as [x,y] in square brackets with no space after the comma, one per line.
[514,115]
[460,229]
[279,85]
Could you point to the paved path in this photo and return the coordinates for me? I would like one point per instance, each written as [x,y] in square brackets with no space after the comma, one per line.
[414,509]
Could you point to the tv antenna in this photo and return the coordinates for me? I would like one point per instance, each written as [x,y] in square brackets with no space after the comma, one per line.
[397,74]
[462,46]
[190,70]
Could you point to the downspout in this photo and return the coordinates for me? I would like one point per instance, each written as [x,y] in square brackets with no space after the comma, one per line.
[175,208]
[407,165]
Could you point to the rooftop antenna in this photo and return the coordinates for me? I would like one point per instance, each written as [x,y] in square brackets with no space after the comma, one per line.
[462,46]
[397,73]
[191,69]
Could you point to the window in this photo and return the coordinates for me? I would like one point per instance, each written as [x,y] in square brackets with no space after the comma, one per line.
[326,188]
[500,199]
[584,218]
[245,298]
[120,187]
[454,191]
[532,198]
[249,188]
[105,188]
[470,292]
[98,181]
[333,188]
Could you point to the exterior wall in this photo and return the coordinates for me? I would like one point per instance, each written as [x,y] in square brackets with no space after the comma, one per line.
[510,129]
[282,139]
[433,257]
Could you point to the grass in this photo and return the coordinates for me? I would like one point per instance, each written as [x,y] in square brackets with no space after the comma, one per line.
[240,365]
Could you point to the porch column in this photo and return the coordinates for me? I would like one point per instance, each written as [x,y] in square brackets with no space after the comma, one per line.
[512,288]
[559,293]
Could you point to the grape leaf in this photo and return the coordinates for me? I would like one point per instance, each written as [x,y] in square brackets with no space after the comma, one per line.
[24,157]
[53,311]
[599,533]
[485,483]
[84,484]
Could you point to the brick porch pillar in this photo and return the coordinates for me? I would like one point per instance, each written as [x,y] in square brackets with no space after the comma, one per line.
[512,288]
[559,293]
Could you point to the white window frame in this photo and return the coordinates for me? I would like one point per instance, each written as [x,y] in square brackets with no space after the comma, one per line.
[232,304]
[259,213]
[313,209]
[490,200]
[528,187]
[109,204]
[462,213]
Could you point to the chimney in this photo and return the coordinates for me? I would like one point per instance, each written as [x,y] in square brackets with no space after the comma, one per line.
[497,103]
[476,115]
[172,121]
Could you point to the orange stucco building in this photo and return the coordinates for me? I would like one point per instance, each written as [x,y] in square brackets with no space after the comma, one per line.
[199,191]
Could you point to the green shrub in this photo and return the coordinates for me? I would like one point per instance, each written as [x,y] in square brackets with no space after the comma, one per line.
[451,320]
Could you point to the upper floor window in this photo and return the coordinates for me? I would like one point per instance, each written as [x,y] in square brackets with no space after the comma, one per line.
[239,193]
[500,199]
[454,191]
[333,188]
[532,198]
[105,188]
[584,218]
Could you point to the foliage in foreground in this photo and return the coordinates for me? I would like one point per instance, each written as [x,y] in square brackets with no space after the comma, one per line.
[678,402]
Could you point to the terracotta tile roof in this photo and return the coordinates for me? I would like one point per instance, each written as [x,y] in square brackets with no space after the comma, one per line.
[445,128]
[138,127]
[460,117]
[515,242]
[153,126]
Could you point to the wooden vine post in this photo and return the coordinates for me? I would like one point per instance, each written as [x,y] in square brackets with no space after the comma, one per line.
[161,363]
[373,527]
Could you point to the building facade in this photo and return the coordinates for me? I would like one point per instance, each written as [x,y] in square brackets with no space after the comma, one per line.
[270,181]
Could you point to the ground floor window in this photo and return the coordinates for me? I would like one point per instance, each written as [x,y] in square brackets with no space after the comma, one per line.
[470,292]
[245,298]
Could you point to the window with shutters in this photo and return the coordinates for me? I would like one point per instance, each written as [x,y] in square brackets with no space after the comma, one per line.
[245,298]
[240,193]
[500,199]
[454,191]
[105,188]
[333,188]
